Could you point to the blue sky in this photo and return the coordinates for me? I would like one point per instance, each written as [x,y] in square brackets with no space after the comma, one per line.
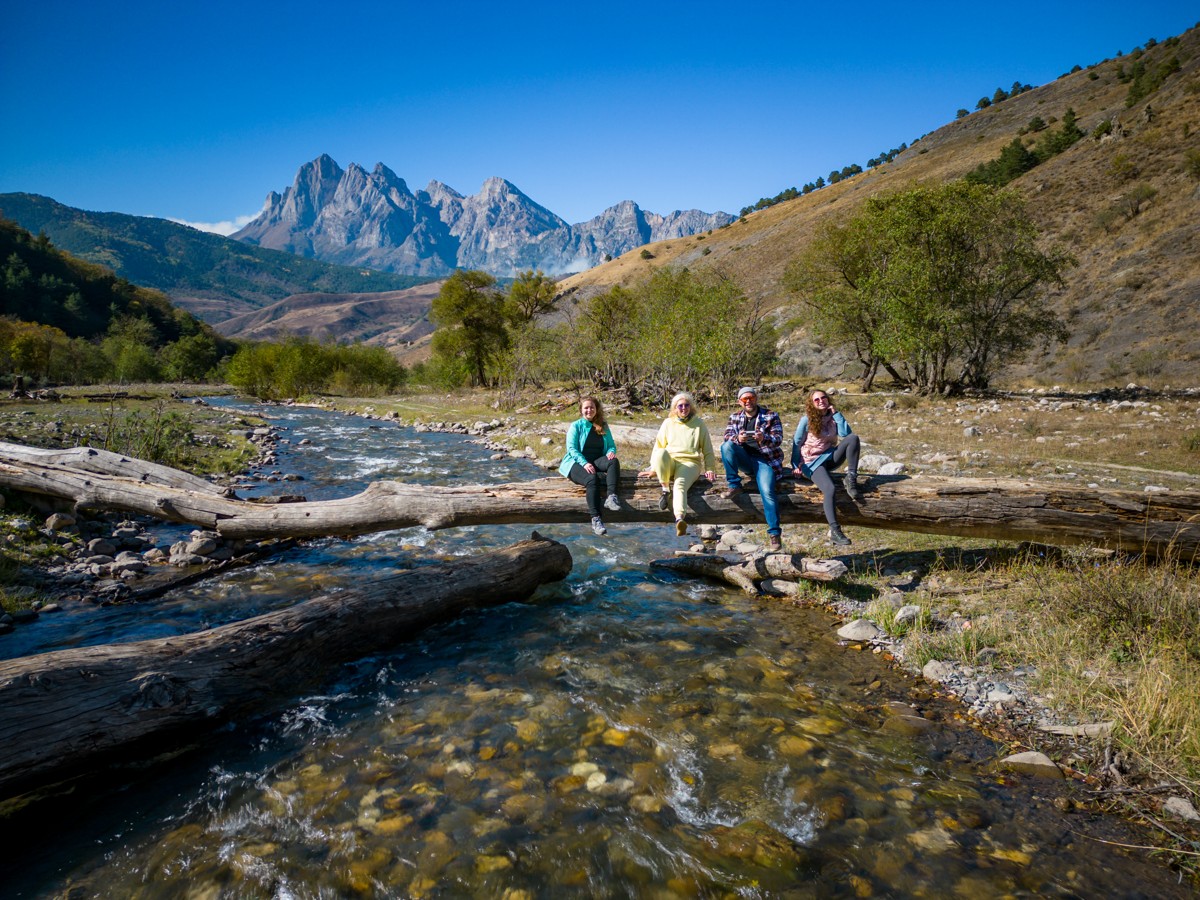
[196,111]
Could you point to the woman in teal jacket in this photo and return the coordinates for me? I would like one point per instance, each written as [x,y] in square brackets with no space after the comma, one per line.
[591,452]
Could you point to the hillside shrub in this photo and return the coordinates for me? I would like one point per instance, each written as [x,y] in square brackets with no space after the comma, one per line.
[1191,163]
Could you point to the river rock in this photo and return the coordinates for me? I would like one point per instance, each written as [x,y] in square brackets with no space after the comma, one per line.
[908,615]
[892,468]
[936,670]
[60,522]
[873,462]
[201,546]
[1179,808]
[859,630]
[101,547]
[1032,762]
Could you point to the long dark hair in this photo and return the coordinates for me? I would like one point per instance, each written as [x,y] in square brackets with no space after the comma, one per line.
[599,422]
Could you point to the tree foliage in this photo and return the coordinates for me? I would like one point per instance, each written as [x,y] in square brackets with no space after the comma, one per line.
[300,367]
[940,286]
[1015,159]
[676,329]
[530,295]
[470,315]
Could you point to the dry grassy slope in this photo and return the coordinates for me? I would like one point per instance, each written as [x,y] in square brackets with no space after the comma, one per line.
[392,319]
[1133,303]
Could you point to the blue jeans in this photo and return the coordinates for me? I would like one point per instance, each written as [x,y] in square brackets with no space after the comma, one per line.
[737,458]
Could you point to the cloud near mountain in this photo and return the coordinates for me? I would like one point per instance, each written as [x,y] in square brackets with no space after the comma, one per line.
[372,219]
[224,229]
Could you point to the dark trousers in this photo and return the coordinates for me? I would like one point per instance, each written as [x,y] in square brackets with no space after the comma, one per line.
[593,487]
[847,450]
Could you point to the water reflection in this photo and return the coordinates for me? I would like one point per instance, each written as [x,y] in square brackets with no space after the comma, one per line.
[623,734]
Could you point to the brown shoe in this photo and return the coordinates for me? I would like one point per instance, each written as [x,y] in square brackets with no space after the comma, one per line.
[774,542]
[732,493]
[681,526]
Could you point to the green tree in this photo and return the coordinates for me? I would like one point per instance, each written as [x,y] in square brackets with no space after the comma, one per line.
[469,314]
[1014,161]
[129,347]
[190,358]
[531,294]
[699,328]
[946,283]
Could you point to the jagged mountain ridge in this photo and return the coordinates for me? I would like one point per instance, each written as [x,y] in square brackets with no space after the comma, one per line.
[354,217]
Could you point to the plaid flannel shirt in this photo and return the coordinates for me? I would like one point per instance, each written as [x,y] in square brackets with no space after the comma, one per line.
[771,446]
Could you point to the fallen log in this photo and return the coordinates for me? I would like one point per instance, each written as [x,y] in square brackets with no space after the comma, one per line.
[68,710]
[105,462]
[757,574]
[1157,524]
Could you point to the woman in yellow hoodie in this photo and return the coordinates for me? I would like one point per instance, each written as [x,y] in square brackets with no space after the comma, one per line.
[681,448]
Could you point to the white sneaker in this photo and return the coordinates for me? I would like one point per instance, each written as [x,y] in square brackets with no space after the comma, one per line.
[598,525]
[612,503]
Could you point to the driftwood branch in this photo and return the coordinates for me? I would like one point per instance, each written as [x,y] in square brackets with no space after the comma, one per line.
[1006,509]
[755,574]
[68,710]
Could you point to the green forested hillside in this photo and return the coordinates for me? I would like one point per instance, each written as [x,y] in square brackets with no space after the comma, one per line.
[42,284]
[63,319]
[184,262]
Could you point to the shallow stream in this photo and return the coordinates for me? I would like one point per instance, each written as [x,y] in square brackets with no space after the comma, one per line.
[623,734]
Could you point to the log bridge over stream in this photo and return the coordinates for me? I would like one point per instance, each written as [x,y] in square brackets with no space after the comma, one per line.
[69,711]
[1157,524]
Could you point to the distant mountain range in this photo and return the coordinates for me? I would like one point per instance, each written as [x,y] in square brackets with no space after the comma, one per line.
[358,218]
[210,276]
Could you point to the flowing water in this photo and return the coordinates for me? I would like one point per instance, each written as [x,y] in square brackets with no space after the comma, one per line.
[622,734]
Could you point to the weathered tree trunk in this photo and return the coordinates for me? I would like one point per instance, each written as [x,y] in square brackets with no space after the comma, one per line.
[1005,509]
[66,711]
[754,574]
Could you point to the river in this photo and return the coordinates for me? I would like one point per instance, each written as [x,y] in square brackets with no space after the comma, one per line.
[623,734]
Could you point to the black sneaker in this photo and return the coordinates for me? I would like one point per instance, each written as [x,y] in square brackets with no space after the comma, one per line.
[837,538]
[664,501]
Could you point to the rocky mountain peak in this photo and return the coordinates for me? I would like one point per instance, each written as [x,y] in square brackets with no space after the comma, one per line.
[353,217]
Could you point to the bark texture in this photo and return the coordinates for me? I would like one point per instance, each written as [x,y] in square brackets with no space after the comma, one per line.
[1005,509]
[757,574]
[67,710]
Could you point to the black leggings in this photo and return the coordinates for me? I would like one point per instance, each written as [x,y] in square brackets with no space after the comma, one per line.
[593,488]
[847,449]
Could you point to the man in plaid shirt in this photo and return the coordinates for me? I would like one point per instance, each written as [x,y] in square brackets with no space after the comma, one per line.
[754,445]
